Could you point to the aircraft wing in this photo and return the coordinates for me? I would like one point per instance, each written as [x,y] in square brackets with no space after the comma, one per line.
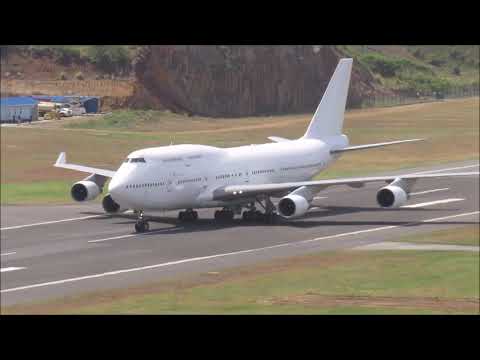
[62,163]
[231,192]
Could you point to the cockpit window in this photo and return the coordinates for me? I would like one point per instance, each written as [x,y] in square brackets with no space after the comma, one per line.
[136,160]
[126,160]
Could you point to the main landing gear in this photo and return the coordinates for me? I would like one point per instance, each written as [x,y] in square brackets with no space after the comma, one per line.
[224,215]
[141,225]
[187,215]
[253,215]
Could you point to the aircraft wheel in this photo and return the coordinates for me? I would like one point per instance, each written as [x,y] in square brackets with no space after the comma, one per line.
[141,226]
[271,218]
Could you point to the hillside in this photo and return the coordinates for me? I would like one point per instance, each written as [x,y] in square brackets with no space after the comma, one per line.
[233,81]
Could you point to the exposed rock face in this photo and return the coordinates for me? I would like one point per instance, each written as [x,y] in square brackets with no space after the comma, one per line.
[233,81]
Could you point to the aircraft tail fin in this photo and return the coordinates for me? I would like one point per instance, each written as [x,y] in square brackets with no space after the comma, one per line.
[328,119]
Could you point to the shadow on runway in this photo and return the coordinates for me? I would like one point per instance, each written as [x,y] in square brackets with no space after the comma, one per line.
[311,219]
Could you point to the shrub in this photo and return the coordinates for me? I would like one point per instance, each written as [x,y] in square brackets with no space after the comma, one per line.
[457,55]
[456,71]
[389,67]
[437,62]
[110,59]
[62,76]
[425,83]
[79,76]
[66,56]
[419,54]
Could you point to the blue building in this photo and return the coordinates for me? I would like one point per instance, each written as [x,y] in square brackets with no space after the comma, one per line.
[18,109]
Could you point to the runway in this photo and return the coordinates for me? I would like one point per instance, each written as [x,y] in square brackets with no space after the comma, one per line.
[54,251]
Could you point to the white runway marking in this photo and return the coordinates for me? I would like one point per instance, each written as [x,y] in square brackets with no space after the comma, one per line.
[132,235]
[183,261]
[11,269]
[50,222]
[320,197]
[392,245]
[442,170]
[429,191]
[430,203]
[9,253]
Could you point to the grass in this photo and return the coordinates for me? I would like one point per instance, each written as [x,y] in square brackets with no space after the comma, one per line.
[342,282]
[451,128]
[465,235]
[43,192]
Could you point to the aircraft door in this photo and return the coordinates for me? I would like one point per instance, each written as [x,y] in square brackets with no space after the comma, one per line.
[246,176]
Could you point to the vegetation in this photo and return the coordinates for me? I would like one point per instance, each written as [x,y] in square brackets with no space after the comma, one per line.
[110,59]
[27,153]
[424,69]
[341,282]
[464,235]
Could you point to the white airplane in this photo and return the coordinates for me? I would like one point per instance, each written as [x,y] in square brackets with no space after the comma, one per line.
[198,176]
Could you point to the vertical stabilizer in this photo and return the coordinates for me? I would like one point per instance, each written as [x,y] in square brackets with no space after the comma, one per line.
[328,119]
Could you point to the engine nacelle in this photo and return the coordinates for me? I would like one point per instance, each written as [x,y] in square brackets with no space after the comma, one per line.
[85,190]
[293,205]
[391,196]
[110,206]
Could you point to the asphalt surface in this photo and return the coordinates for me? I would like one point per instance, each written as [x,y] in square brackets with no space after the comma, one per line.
[43,258]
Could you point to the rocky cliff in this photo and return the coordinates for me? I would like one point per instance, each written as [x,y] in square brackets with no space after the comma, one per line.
[233,81]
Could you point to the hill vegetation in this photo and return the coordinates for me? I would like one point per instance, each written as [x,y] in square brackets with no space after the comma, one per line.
[423,69]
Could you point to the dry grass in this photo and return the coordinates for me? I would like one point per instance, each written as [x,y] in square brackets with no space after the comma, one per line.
[451,128]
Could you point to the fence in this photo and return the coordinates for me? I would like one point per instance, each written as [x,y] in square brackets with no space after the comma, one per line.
[116,88]
[399,99]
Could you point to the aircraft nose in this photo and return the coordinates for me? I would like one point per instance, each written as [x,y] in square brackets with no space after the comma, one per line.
[115,188]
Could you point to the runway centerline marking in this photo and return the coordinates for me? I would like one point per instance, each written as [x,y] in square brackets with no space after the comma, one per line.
[430,203]
[132,235]
[428,191]
[50,222]
[12,268]
[9,253]
[189,260]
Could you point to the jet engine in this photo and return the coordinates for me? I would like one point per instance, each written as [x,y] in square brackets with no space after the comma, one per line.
[110,206]
[85,190]
[392,196]
[293,205]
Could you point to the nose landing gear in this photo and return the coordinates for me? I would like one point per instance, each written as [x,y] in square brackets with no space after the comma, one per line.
[141,225]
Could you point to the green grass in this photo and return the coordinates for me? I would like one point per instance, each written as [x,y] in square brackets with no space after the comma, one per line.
[465,235]
[42,192]
[406,277]
[410,67]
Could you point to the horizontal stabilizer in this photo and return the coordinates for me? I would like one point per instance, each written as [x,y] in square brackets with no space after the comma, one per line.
[278,139]
[370,146]
[62,163]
